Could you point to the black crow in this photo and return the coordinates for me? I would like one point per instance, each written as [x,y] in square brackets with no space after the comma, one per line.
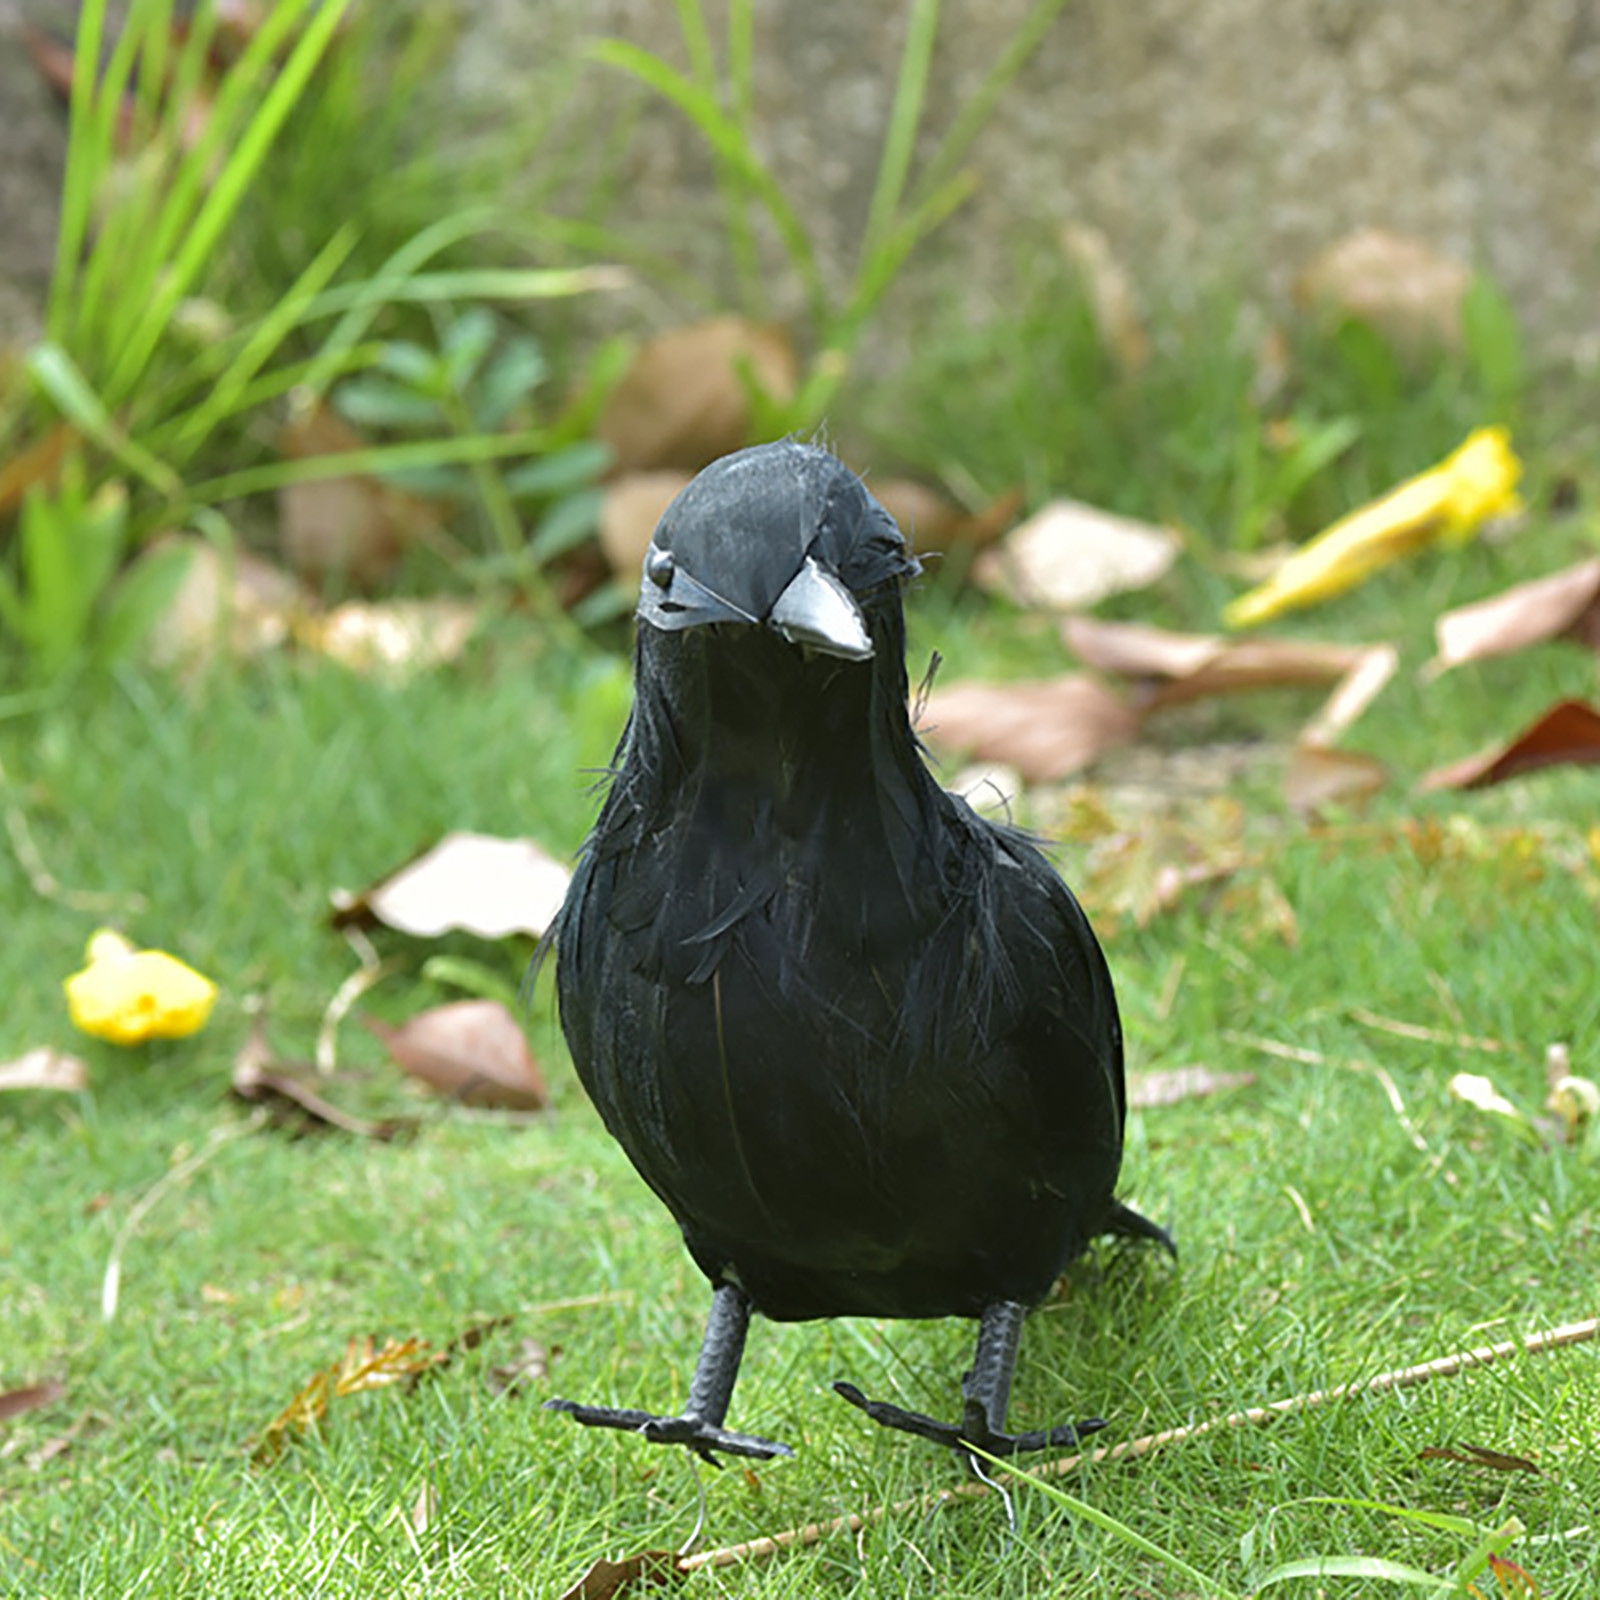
[861,1042]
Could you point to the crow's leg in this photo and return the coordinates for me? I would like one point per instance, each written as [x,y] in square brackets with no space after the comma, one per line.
[710,1390]
[987,1392]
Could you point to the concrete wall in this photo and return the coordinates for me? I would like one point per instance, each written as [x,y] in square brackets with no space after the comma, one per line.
[1212,140]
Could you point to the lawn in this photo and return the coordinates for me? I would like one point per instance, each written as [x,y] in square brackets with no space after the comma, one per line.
[1327,1236]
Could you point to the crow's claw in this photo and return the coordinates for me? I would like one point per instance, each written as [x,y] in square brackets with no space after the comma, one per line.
[700,1436]
[972,1430]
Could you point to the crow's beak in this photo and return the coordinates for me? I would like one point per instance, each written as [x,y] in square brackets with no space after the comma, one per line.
[814,609]
[817,610]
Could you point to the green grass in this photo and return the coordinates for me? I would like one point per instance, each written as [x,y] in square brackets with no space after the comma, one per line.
[1320,1246]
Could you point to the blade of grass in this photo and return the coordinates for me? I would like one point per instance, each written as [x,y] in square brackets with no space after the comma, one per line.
[729,143]
[905,116]
[82,173]
[228,188]
[71,393]
[267,336]
[952,148]
[1109,1524]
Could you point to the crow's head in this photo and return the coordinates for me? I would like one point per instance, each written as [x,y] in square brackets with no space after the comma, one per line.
[783,536]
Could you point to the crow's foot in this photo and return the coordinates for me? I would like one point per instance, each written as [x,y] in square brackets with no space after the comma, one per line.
[972,1431]
[700,1436]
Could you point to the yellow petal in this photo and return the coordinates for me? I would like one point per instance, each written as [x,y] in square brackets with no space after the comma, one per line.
[1447,503]
[106,944]
[146,994]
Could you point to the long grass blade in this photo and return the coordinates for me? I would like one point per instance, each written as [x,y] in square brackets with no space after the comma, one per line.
[74,397]
[86,160]
[905,116]
[229,188]
[728,143]
[264,339]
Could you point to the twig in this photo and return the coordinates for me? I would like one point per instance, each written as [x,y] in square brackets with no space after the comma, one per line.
[1415,1030]
[1401,1378]
[365,977]
[172,1178]
[41,880]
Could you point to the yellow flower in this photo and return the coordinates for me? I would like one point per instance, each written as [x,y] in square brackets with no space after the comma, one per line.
[128,995]
[1444,505]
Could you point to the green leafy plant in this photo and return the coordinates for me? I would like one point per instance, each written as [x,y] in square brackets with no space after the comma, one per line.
[479,381]
[74,599]
[1486,1547]
[162,381]
[902,214]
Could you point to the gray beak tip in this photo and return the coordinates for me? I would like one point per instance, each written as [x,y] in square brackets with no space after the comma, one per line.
[817,610]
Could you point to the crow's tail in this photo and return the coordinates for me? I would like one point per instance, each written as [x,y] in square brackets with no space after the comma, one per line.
[1126,1223]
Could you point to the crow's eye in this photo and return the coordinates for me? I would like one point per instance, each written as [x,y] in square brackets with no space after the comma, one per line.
[659,566]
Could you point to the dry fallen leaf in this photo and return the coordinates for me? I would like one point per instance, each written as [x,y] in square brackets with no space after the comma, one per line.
[287,1087]
[1567,734]
[472,882]
[473,1050]
[1397,283]
[629,511]
[930,522]
[396,636]
[362,1367]
[1044,730]
[1142,867]
[1111,298]
[1369,674]
[1194,665]
[1566,602]
[350,529]
[684,401]
[1150,1089]
[37,463]
[606,1579]
[44,1068]
[32,1397]
[1319,776]
[1476,1455]
[530,1365]
[232,603]
[1480,1092]
[1068,556]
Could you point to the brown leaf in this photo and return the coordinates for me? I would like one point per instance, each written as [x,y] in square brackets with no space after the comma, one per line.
[472,882]
[33,1397]
[1475,1455]
[470,1049]
[607,1578]
[1400,285]
[1148,1089]
[531,1365]
[629,511]
[1144,869]
[1567,734]
[930,522]
[232,603]
[260,1080]
[52,59]
[684,402]
[397,637]
[1068,556]
[350,529]
[362,1367]
[1111,299]
[1368,676]
[45,1068]
[34,465]
[1045,730]
[1566,602]
[1320,776]
[1196,664]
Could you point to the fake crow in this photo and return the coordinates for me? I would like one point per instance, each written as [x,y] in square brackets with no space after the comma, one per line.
[861,1042]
